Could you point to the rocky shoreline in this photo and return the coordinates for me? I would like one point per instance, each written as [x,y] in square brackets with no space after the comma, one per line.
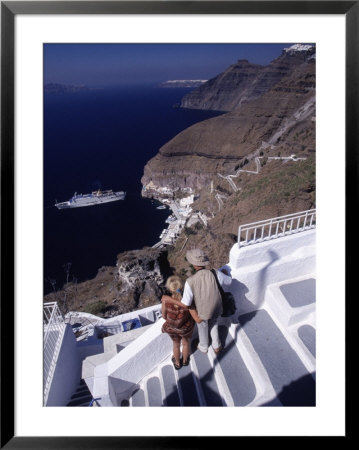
[136,282]
[138,279]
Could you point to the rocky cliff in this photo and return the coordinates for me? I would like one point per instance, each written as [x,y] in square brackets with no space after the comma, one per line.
[227,90]
[271,123]
[243,81]
[136,282]
[253,162]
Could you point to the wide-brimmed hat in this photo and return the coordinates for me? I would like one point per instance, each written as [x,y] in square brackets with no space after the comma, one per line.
[197,257]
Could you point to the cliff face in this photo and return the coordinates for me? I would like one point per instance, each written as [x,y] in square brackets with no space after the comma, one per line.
[253,162]
[243,82]
[195,157]
[227,90]
[140,274]
[136,282]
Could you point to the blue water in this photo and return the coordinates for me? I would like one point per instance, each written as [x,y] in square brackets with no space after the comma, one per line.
[103,139]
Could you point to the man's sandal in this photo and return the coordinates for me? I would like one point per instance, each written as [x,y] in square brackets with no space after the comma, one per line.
[176,366]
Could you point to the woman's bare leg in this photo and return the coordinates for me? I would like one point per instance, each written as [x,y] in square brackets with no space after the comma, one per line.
[186,348]
[176,351]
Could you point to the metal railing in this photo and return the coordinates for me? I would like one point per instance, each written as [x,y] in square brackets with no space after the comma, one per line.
[264,230]
[54,328]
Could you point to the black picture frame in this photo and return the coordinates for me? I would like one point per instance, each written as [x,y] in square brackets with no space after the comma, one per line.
[9,9]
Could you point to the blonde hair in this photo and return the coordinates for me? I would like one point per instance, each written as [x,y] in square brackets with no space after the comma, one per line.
[173,284]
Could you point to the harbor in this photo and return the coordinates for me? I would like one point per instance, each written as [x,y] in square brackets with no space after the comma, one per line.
[181,214]
[179,201]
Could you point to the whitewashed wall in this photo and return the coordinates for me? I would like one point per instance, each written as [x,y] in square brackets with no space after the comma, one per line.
[67,372]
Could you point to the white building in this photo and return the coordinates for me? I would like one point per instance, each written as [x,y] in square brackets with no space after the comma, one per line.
[186,201]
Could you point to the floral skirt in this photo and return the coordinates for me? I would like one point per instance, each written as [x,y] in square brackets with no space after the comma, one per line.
[176,334]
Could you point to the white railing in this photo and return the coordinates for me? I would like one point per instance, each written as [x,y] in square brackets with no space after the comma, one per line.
[264,230]
[54,328]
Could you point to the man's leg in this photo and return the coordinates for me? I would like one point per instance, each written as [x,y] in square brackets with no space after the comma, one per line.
[203,336]
[213,329]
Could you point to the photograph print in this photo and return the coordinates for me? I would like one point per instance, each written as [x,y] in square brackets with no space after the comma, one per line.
[179,211]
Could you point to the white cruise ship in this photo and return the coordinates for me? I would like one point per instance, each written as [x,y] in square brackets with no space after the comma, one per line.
[95,198]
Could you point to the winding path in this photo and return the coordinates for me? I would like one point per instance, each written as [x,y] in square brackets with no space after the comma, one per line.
[257,159]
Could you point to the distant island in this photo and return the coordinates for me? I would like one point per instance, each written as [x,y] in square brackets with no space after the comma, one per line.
[182,83]
[56,88]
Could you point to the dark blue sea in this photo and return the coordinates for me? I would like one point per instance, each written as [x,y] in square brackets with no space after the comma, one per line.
[102,139]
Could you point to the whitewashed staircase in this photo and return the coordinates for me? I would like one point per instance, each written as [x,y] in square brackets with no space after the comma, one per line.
[263,363]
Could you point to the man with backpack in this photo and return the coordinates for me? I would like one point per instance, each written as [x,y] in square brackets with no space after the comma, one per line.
[202,295]
[202,291]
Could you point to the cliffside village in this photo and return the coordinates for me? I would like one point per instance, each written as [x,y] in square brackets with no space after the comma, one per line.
[180,206]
